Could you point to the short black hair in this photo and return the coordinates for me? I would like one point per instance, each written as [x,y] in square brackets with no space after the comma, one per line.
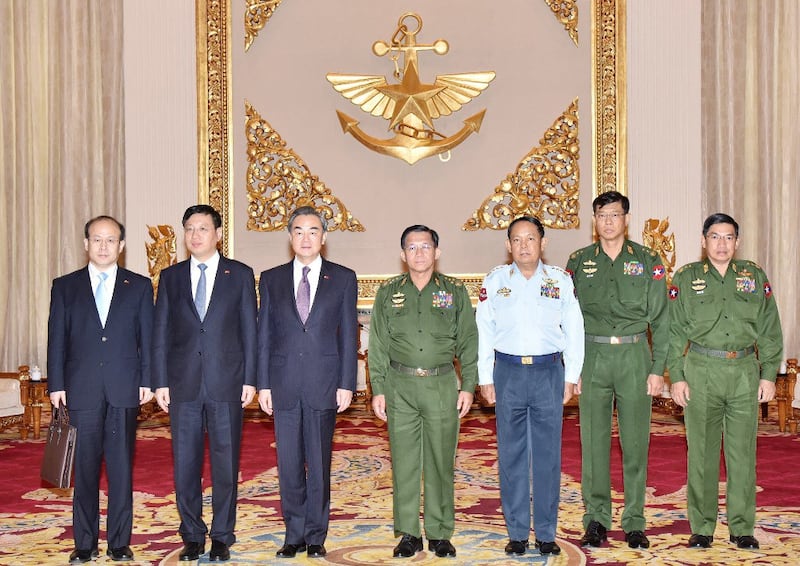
[307,211]
[526,218]
[419,228]
[608,197]
[720,218]
[203,209]
[104,217]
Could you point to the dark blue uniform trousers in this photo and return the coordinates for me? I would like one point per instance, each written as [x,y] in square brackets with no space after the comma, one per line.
[529,421]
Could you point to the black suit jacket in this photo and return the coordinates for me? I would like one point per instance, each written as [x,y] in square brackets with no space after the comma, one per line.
[92,363]
[221,350]
[311,360]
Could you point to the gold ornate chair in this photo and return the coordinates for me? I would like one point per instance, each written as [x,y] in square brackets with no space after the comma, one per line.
[12,410]
[788,405]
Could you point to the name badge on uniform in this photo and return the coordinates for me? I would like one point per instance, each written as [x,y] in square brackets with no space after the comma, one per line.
[633,268]
[745,284]
[550,290]
[398,300]
[442,300]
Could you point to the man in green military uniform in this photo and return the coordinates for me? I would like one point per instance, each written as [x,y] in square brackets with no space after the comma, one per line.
[622,292]
[725,348]
[420,322]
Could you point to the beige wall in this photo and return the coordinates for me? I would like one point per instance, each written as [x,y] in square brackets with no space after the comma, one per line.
[664,130]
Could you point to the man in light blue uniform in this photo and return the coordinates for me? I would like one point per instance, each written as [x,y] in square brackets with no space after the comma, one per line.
[530,354]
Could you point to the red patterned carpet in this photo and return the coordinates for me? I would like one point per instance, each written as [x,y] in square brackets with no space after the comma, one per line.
[35,521]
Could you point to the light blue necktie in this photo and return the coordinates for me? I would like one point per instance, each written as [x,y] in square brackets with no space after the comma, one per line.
[101,298]
[200,292]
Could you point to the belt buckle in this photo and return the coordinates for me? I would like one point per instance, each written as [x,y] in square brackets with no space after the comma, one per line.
[731,355]
[613,340]
[526,360]
[421,372]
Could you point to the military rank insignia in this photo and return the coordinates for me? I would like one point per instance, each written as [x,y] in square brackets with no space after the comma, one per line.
[745,284]
[633,268]
[550,290]
[398,300]
[589,268]
[442,300]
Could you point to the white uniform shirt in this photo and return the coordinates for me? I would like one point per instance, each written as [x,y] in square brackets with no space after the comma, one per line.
[529,317]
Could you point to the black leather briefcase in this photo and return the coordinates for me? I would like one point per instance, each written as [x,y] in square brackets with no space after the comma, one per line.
[59,452]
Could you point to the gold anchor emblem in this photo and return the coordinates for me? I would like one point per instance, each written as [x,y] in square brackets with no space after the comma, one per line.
[410,105]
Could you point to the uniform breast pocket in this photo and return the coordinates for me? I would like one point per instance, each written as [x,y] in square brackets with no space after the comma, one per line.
[746,306]
[443,321]
[633,289]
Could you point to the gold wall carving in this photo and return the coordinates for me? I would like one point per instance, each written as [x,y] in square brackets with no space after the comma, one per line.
[567,13]
[546,183]
[162,252]
[278,181]
[256,16]
[368,286]
[214,118]
[215,143]
[655,237]
[609,101]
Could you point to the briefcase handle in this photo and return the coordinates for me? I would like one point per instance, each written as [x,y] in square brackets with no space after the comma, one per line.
[61,415]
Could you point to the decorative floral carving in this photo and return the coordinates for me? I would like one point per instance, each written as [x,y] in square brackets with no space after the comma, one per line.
[655,237]
[256,16]
[545,184]
[567,13]
[161,253]
[278,181]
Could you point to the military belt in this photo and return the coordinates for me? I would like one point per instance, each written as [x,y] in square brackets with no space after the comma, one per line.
[528,360]
[422,372]
[632,339]
[724,354]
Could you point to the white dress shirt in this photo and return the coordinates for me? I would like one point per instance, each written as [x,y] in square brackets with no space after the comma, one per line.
[313,277]
[212,264]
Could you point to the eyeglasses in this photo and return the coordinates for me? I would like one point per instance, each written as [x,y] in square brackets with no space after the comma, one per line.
[603,216]
[422,248]
[721,237]
[203,230]
[100,241]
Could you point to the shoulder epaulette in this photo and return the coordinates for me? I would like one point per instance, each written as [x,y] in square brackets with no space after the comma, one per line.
[452,280]
[394,279]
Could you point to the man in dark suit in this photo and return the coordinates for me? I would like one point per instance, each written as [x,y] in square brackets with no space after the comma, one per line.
[98,364]
[204,371]
[307,361]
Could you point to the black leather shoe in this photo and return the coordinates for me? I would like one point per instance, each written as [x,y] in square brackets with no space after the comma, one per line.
[407,547]
[80,556]
[517,547]
[595,535]
[442,547]
[192,551]
[547,547]
[746,541]
[121,554]
[219,551]
[316,550]
[700,541]
[290,550]
[637,539]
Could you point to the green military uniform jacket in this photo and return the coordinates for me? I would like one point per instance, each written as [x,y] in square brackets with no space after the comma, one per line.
[423,328]
[724,313]
[624,296]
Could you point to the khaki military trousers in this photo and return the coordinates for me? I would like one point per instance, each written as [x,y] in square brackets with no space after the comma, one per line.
[723,402]
[423,432]
[615,374]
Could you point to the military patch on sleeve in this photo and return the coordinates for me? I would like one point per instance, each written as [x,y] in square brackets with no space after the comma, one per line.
[659,272]
[482,295]
[673,292]
[767,289]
